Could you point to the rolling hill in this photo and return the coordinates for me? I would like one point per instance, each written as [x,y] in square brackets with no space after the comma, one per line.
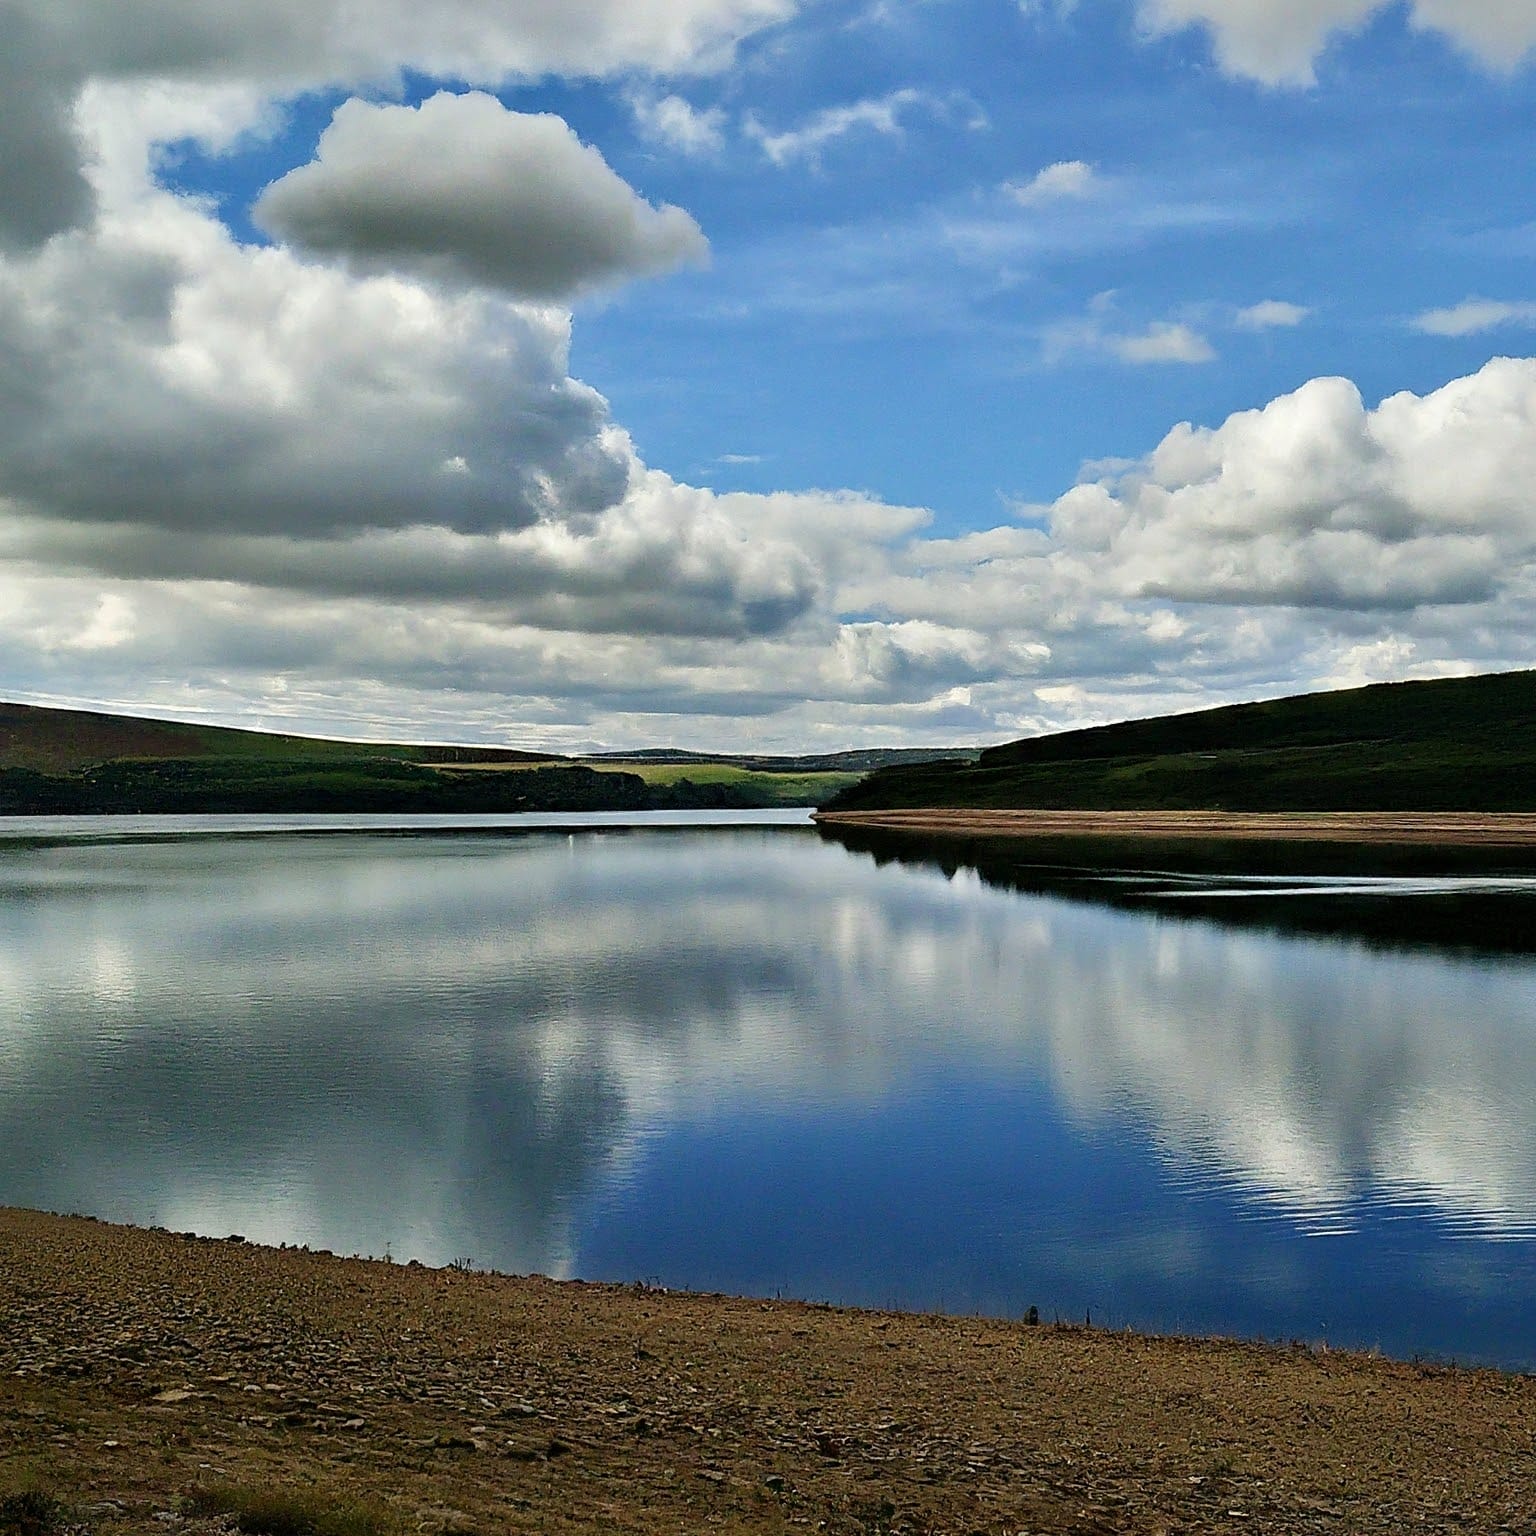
[1445,744]
[65,740]
[67,761]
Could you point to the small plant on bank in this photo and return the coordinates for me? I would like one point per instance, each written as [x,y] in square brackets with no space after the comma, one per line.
[276,1512]
[31,1513]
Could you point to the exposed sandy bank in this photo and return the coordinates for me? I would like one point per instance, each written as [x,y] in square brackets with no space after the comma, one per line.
[1402,828]
[136,1365]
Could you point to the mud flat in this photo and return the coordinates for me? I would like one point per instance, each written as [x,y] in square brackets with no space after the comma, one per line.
[1448,829]
[142,1372]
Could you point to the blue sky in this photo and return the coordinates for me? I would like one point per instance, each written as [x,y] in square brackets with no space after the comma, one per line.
[761,373]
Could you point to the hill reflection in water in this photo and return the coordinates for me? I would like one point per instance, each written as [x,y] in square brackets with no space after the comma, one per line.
[759,1061]
[1405,897]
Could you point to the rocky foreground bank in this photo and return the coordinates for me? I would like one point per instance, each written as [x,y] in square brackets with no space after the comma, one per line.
[145,1375]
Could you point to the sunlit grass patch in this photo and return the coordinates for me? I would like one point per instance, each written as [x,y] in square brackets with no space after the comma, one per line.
[776,787]
[282,1512]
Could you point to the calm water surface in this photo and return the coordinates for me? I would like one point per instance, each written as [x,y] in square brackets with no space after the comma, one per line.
[746,1058]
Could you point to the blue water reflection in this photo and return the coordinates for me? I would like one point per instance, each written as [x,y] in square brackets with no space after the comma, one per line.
[750,1060]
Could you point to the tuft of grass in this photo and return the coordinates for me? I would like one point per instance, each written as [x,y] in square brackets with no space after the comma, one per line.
[280,1512]
[31,1513]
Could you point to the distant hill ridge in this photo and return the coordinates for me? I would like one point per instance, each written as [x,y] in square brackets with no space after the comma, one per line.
[52,740]
[1443,744]
[90,762]
[852,760]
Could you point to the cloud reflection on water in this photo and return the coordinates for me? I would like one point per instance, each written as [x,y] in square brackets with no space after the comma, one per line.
[450,1047]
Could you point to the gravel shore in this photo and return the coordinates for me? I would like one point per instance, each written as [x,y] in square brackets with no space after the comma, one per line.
[138,1367]
[1454,829]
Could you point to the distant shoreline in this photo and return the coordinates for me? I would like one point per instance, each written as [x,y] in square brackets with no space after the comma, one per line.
[143,1370]
[1452,829]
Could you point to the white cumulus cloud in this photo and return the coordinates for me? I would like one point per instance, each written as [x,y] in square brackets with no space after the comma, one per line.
[1066,179]
[879,115]
[1317,501]
[351,479]
[1164,341]
[175,378]
[678,124]
[1161,341]
[1278,41]
[464,189]
[1473,316]
[54,48]
[1271,314]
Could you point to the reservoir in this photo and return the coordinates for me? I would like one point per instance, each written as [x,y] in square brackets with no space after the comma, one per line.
[746,1056]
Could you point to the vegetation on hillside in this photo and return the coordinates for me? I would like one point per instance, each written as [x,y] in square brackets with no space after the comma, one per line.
[81,762]
[247,785]
[1446,744]
[67,740]
[761,786]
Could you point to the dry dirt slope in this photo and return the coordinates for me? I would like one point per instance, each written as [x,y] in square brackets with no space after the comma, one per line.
[138,1367]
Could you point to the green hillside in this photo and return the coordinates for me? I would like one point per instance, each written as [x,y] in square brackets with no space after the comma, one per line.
[1446,744]
[82,762]
[65,740]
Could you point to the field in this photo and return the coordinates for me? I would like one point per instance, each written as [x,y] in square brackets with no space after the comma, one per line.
[765,788]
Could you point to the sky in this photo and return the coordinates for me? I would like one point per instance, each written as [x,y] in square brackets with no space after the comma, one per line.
[758,375]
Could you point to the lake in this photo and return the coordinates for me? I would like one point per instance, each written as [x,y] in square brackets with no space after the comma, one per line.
[749,1058]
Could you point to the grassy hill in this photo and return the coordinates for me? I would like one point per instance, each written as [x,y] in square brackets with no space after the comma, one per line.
[64,761]
[856,761]
[65,740]
[84,762]
[1451,744]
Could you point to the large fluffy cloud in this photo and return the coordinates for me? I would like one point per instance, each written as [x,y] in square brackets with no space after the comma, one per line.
[42,188]
[667,560]
[289,41]
[1315,539]
[1313,504]
[159,373]
[232,478]
[1278,41]
[460,187]
[1315,501]
[219,456]
[52,47]
[238,479]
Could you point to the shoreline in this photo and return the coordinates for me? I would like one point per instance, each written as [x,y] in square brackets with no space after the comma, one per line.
[1456,829]
[138,1366]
